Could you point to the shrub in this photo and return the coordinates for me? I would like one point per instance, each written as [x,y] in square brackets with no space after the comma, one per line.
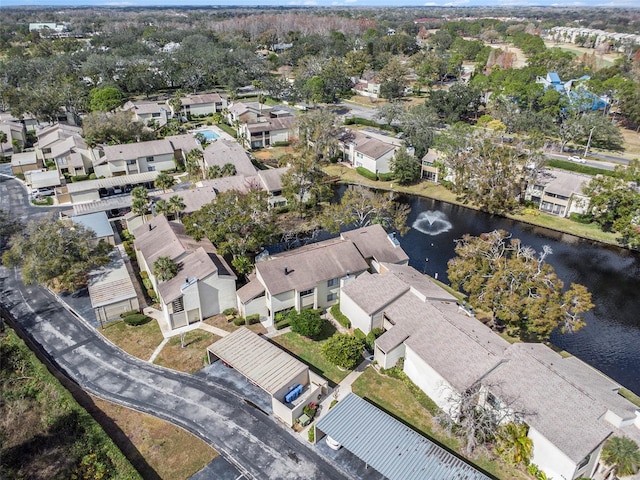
[367,122]
[340,317]
[366,173]
[43,201]
[136,319]
[310,410]
[343,350]
[144,274]
[333,403]
[146,281]
[282,324]
[79,178]
[280,144]
[307,323]
[253,319]
[92,176]
[311,435]
[385,177]
[230,311]
[577,217]
[370,339]
[129,312]
[239,321]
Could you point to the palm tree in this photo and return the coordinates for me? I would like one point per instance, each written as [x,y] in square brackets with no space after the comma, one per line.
[228,170]
[194,162]
[214,171]
[3,139]
[176,205]
[202,139]
[162,207]
[164,268]
[140,203]
[164,181]
[621,455]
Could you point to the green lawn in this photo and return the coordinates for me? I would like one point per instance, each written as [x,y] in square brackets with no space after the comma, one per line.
[309,352]
[192,357]
[393,396]
[139,341]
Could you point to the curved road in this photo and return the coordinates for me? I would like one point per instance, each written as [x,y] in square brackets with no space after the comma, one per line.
[254,443]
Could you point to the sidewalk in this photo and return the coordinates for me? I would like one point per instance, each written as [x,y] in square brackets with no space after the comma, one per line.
[337,393]
[168,332]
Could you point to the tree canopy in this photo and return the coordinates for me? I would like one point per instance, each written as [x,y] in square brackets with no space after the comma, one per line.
[55,254]
[361,207]
[307,322]
[517,286]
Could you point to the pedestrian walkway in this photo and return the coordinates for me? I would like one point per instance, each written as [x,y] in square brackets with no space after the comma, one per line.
[337,393]
[168,332]
[158,349]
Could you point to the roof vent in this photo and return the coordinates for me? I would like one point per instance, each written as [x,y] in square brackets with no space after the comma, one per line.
[286,270]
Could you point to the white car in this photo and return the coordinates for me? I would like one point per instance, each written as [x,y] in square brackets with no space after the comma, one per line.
[577,160]
[42,192]
[333,444]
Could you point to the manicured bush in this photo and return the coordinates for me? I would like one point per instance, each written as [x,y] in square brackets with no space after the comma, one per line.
[253,319]
[333,403]
[577,217]
[311,435]
[307,323]
[239,321]
[368,123]
[366,173]
[136,319]
[79,178]
[281,144]
[230,311]
[343,350]
[282,324]
[340,317]
[385,177]
[144,274]
[129,312]
[92,176]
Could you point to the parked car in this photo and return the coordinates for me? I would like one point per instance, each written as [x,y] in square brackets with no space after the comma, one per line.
[333,444]
[42,192]
[577,159]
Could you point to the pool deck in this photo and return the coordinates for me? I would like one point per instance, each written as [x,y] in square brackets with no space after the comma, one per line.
[218,131]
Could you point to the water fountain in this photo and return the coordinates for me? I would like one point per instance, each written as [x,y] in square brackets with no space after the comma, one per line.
[432,222]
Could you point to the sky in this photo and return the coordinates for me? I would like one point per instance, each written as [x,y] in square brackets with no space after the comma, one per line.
[326,3]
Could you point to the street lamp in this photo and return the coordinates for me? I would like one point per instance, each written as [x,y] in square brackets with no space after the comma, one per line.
[588,141]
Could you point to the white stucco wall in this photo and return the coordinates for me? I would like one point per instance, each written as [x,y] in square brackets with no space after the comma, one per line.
[357,316]
[279,136]
[428,380]
[282,301]
[550,460]
[160,163]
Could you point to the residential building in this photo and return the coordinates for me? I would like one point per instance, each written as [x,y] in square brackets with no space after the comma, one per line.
[246,112]
[370,150]
[148,112]
[24,162]
[368,88]
[72,156]
[202,104]
[95,190]
[575,91]
[268,131]
[48,137]
[98,223]
[311,276]
[16,137]
[559,192]
[570,409]
[131,158]
[205,284]
[222,151]
[430,168]
[271,182]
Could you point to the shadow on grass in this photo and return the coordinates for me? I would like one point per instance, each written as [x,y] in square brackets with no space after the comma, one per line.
[429,437]
[328,330]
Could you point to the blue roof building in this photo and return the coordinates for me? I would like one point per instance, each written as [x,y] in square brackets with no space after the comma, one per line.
[578,95]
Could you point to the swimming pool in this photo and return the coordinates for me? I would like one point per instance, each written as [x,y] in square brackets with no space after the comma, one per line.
[208,134]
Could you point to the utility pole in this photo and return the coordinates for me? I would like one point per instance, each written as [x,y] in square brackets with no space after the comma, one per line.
[589,141]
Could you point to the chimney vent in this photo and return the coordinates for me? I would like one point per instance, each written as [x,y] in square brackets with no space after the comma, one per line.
[286,270]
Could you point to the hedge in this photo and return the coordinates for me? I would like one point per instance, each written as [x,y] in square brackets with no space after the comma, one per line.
[366,173]
[282,324]
[230,311]
[253,319]
[136,319]
[386,177]
[339,316]
[129,312]
[79,178]
[368,123]
[239,321]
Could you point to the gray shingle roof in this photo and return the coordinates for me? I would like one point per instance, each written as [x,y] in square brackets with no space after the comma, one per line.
[371,147]
[224,151]
[566,413]
[282,123]
[374,292]
[196,265]
[272,178]
[309,265]
[373,242]
[389,446]
[421,284]
[109,182]
[131,151]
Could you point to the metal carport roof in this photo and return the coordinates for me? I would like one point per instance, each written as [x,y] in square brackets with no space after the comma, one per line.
[256,358]
[389,446]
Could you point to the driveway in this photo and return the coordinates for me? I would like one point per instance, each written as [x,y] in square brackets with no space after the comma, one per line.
[248,439]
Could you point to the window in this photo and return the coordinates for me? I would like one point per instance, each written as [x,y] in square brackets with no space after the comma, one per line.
[304,293]
[131,162]
[178,305]
[155,115]
[333,282]
[151,168]
[150,159]
[359,155]
[332,297]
